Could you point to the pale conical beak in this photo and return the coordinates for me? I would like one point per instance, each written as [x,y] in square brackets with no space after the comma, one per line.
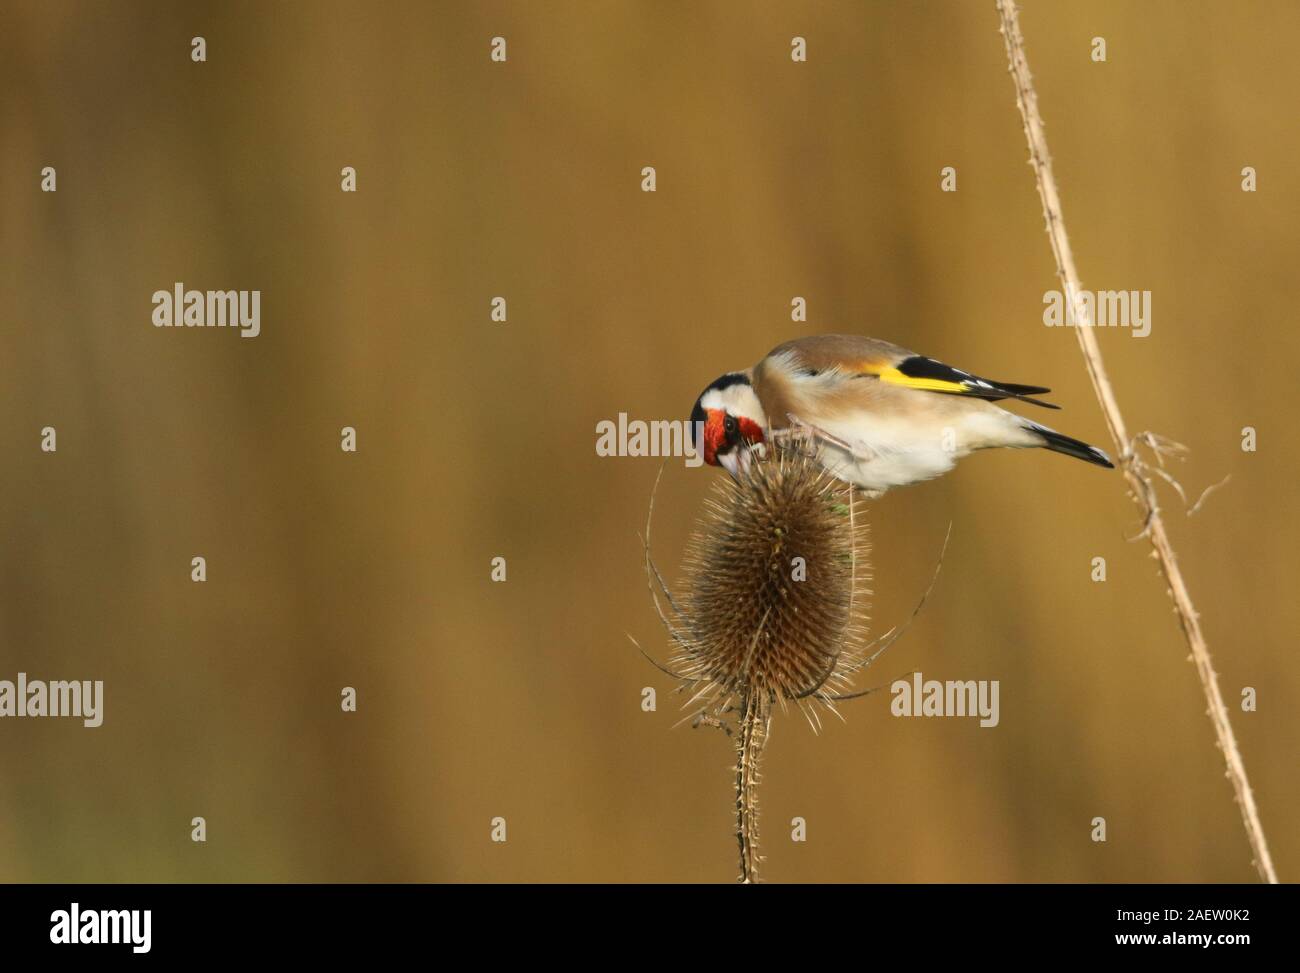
[737,461]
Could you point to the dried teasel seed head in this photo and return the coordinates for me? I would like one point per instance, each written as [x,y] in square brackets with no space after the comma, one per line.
[774,591]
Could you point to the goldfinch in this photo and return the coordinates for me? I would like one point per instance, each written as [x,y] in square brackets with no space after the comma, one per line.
[878,415]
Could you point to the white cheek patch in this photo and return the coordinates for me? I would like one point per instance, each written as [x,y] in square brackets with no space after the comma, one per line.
[736,400]
[711,400]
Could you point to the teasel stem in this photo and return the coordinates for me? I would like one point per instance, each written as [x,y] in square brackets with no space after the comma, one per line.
[752,736]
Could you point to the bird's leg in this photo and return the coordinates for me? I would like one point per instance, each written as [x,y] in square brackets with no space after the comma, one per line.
[814,432]
[792,437]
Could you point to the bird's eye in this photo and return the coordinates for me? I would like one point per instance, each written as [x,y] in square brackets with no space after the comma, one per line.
[732,427]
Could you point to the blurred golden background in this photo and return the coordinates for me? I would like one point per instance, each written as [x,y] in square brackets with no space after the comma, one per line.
[476,439]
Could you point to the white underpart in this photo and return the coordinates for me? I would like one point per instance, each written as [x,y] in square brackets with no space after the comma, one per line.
[887,452]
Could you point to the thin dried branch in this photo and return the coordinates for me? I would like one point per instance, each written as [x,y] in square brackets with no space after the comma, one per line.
[1133,469]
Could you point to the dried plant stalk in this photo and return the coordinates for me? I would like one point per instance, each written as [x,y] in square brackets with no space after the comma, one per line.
[1135,471]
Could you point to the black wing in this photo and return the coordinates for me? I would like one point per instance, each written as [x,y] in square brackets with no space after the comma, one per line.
[935,376]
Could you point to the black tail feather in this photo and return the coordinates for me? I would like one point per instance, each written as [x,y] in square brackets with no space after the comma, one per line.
[1058,443]
[1022,389]
[1022,393]
[1020,398]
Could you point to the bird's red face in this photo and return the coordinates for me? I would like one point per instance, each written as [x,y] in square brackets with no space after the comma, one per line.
[725,434]
[728,421]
